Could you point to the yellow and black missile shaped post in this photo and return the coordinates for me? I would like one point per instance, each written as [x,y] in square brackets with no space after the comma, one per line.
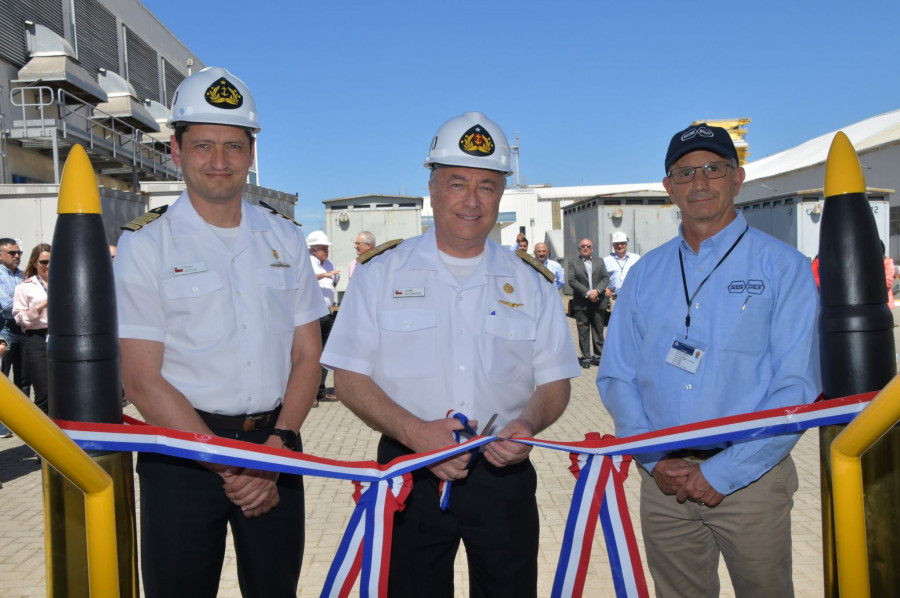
[84,379]
[856,334]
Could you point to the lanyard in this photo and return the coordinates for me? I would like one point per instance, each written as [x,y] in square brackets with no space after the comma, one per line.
[689,300]
[623,264]
[42,283]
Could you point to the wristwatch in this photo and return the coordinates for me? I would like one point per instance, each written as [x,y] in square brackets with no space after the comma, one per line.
[288,437]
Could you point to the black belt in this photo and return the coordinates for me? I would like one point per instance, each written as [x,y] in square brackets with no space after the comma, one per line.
[240,423]
[694,454]
[36,332]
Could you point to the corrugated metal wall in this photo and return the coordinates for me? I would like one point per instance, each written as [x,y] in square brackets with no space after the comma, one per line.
[14,13]
[140,66]
[96,39]
[173,79]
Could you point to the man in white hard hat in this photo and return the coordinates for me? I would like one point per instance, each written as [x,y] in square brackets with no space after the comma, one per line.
[218,313]
[452,321]
[618,263]
[328,276]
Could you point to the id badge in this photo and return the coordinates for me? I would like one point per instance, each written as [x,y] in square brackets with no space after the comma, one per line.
[685,354]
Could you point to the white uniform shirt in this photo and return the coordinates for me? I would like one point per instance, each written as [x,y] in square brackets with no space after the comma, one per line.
[226,317]
[618,269]
[327,283]
[433,344]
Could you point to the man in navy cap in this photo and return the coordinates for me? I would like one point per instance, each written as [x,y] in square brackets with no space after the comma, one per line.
[719,321]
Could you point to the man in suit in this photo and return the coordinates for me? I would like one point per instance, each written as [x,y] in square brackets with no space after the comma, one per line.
[588,279]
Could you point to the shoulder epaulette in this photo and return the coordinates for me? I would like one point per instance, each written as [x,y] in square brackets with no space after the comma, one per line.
[365,257]
[526,257]
[145,219]
[263,204]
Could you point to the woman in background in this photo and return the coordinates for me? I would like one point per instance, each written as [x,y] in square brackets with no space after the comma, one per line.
[30,312]
[888,276]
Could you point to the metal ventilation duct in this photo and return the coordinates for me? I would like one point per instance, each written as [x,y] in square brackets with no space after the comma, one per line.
[123,103]
[53,63]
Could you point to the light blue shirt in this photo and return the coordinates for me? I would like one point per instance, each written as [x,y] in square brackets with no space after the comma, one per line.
[618,269]
[558,271]
[8,282]
[757,315]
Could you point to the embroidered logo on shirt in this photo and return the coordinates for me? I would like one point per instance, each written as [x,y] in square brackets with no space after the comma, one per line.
[737,286]
[755,287]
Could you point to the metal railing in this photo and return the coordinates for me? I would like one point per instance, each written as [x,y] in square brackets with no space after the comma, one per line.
[29,423]
[882,414]
[77,121]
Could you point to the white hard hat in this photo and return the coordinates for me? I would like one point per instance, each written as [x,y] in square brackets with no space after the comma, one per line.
[619,237]
[214,96]
[318,237]
[471,140]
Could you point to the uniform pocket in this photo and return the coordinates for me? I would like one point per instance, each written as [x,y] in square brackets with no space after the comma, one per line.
[194,303]
[193,285]
[410,342]
[751,334]
[279,290]
[508,347]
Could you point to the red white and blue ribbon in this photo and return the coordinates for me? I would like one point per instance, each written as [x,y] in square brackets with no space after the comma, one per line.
[600,491]
[136,436]
[366,544]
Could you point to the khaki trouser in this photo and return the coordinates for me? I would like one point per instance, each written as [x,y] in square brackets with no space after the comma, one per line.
[751,528]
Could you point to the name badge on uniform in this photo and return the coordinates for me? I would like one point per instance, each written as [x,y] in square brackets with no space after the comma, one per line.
[686,355]
[189,268]
[411,292]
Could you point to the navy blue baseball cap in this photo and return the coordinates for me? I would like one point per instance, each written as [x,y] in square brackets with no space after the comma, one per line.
[700,137]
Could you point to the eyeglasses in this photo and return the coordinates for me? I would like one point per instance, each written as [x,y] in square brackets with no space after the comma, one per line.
[711,170]
[14,253]
[44,262]
[583,246]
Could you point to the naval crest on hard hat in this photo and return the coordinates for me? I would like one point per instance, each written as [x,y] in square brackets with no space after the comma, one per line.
[477,142]
[223,94]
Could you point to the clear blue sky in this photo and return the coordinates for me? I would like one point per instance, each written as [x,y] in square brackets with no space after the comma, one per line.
[350,93]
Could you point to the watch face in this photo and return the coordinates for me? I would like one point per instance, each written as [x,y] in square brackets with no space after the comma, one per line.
[288,437]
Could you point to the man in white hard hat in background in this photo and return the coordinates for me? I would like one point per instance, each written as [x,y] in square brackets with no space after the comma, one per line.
[451,320]
[618,263]
[328,277]
[218,313]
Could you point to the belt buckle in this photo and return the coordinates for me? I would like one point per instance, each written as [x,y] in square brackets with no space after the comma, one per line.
[252,423]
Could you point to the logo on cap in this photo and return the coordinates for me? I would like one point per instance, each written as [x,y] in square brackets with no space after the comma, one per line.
[222,94]
[694,131]
[476,142]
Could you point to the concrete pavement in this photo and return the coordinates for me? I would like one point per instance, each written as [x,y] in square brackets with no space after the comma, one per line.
[332,431]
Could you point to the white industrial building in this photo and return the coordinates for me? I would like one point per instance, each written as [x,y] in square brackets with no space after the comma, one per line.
[100,73]
[780,195]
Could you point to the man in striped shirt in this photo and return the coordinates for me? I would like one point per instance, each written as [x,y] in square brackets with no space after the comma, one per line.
[13,358]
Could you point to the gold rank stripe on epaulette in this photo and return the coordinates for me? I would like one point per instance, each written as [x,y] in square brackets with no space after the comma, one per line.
[263,204]
[365,257]
[145,219]
[526,257]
